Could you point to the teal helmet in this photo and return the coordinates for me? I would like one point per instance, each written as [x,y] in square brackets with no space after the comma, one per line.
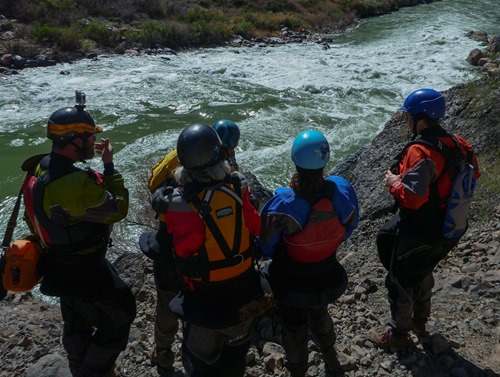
[425,101]
[198,147]
[229,133]
[310,150]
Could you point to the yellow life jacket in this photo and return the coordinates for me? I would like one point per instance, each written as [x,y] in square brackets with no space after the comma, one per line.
[227,252]
[163,170]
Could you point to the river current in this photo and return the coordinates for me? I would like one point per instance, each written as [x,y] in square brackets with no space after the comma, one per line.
[348,92]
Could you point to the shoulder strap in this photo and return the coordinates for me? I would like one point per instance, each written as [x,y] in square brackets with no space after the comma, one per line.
[454,155]
[190,193]
[28,166]
[7,238]
[329,190]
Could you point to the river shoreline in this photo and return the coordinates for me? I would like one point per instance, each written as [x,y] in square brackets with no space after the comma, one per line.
[32,53]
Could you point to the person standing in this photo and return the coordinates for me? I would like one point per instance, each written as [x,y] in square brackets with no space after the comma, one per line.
[302,227]
[411,243]
[71,210]
[212,221]
[158,246]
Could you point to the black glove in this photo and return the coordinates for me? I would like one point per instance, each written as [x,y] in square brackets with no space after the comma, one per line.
[159,201]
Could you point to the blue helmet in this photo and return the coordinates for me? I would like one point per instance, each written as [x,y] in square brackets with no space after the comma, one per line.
[310,150]
[198,147]
[425,101]
[229,133]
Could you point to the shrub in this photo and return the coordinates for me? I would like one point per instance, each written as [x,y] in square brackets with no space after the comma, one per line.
[88,45]
[101,33]
[41,32]
[69,39]
[244,28]
[171,34]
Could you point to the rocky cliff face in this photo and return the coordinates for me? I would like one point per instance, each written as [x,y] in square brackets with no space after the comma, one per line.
[464,326]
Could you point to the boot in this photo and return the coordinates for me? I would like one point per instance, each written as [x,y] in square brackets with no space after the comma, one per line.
[390,339]
[418,327]
[163,359]
[332,363]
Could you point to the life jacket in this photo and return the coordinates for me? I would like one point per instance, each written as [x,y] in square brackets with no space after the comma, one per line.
[454,188]
[162,172]
[56,237]
[436,215]
[322,234]
[228,250]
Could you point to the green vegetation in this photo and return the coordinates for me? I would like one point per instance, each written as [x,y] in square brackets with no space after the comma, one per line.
[70,25]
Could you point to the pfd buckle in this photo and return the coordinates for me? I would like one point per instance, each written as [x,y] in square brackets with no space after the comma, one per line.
[241,257]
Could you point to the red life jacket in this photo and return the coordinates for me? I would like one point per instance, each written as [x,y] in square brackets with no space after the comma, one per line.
[322,234]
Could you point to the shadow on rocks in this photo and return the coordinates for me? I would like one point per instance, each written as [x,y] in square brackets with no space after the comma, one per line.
[436,357]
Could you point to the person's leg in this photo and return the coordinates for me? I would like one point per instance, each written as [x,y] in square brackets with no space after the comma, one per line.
[401,302]
[321,325]
[295,322]
[76,334]
[233,357]
[422,308]
[201,350]
[395,336]
[166,322]
[322,328]
[111,315]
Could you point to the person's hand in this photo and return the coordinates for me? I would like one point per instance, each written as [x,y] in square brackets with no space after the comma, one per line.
[105,149]
[160,200]
[391,179]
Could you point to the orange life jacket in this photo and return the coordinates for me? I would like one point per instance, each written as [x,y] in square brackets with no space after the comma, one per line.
[227,252]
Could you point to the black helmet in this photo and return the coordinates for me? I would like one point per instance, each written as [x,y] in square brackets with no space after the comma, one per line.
[198,146]
[67,123]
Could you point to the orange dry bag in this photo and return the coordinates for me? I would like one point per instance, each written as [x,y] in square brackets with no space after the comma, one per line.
[21,266]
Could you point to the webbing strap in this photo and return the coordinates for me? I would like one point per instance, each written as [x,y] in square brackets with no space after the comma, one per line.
[11,225]
[203,208]
[27,166]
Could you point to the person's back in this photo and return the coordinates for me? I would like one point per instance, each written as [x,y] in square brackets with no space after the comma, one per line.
[71,211]
[302,227]
[212,221]
[411,243]
[158,246]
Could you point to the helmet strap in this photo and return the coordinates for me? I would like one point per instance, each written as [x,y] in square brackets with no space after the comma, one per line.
[415,119]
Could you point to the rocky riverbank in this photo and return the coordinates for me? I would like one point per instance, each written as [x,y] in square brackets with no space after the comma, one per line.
[464,326]
[465,320]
